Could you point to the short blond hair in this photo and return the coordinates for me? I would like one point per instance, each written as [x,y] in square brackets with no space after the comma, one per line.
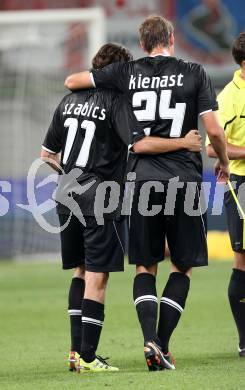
[155,31]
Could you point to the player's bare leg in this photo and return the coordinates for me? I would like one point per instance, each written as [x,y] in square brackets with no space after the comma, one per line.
[140,269]
[92,320]
[79,272]
[172,304]
[96,283]
[75,299]
[236,292]
[175,269]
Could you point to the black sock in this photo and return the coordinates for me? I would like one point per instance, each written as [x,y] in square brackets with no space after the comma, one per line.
[75,299]
[236,293]
[145,300]
[92,319]
[172,305]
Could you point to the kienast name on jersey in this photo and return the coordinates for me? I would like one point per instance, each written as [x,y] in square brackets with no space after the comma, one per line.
[86,109]
[138,82]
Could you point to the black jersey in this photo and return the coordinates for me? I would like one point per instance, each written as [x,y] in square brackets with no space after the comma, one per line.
[167,95]
[92,129]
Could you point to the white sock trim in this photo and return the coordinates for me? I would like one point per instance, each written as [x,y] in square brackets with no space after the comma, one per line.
[172,303]
[93,321]
[145,298]
[74,312]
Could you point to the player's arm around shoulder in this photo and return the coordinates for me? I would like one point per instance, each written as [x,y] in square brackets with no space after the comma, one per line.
[81,80]
[113,76]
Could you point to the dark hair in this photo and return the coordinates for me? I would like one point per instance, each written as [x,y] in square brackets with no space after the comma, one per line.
[155,31]
[238,48]
[110,52]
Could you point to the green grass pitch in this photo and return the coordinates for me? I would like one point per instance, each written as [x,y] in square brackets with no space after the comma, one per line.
[34,338]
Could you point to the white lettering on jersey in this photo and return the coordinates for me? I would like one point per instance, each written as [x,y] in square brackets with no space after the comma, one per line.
[78,109]
[164,82]
[132,82]
[103,115]
[86,109]
[139,82]
[155,82]
[70,108]
[179,83]
[94,115]
[66,107]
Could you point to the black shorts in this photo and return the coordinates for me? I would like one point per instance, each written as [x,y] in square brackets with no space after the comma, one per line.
[100,248]
[186,234]
[234,218]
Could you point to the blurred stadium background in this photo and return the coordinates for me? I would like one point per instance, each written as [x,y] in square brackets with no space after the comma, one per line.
[39,49]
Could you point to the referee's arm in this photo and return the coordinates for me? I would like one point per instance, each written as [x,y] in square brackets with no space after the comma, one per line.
[217,138]
[234,152]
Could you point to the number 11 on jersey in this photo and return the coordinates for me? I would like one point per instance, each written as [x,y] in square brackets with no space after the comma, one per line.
[89,127]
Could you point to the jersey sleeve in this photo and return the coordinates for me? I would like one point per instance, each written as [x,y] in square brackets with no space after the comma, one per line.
[125,123]
[111,76]
[53,139]
[207,100]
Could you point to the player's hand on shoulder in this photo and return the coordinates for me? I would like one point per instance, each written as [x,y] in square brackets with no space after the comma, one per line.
[193,141]
[222,171]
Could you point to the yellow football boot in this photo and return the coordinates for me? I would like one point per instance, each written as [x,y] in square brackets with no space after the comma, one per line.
[97,365]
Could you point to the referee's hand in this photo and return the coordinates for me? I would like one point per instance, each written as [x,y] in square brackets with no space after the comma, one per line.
[222,172]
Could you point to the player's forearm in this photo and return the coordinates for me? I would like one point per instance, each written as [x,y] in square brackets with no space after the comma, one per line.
[53,160]
[156,145]
[53,166]
[234,152]
[81,80]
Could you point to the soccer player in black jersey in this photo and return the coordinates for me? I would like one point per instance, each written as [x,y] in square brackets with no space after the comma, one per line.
[167,95]
[92,129]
